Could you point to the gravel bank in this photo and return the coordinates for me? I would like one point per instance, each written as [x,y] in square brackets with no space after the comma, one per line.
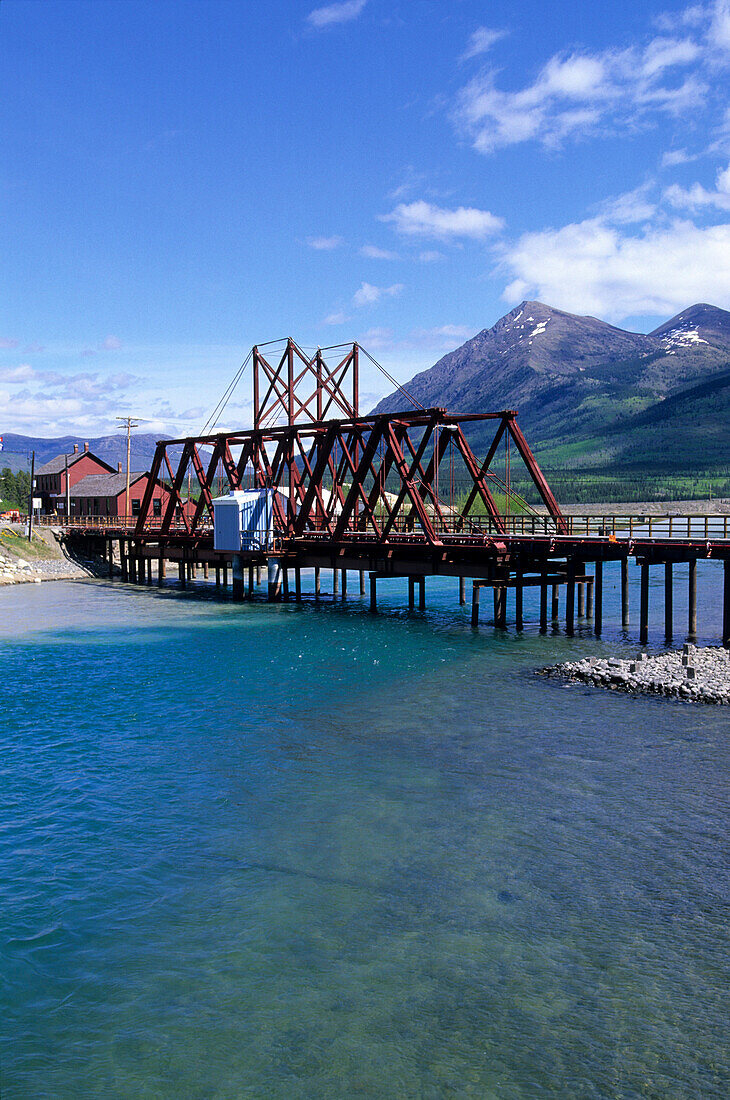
[699,675]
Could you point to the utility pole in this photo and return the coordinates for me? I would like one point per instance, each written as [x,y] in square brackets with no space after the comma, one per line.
[128,422]
[68,492]
[32,490]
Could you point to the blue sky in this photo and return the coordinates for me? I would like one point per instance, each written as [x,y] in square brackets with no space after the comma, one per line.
[181,180]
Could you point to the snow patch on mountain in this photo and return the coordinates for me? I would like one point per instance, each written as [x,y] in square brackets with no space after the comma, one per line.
[682,337]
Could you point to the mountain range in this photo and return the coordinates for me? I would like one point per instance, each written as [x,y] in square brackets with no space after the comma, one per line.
[593,397]
[16,450]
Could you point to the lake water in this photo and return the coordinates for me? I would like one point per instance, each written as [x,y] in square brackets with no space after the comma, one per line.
[304,851]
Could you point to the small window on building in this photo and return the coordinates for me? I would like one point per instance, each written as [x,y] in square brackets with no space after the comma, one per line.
[136,506]
[156,507]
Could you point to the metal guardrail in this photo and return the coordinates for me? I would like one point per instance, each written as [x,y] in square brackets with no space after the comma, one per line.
[606,526]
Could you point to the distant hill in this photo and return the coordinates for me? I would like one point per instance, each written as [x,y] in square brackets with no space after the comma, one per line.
[591,396]
[112,448]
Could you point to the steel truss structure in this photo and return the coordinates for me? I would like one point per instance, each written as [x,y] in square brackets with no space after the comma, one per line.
[355,478]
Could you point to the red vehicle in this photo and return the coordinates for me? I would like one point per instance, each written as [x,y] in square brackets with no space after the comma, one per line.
[13,515]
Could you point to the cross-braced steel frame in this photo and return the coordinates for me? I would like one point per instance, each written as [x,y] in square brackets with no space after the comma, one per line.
[371,478]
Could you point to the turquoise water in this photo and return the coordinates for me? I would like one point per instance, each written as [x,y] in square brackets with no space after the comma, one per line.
[303,851]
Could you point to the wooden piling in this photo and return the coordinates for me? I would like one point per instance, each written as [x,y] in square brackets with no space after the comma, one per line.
[462,591]
[298,584]
[344,584]
[555,606]
[161,570]
[598,583]
[335,582]
[411,593]
[317,582]
[518,600]
[421,593]
[570,599]
[206,571]
[589,599]
[373,592]
[668,602]
[644,604]
[543,602]
[250,581]
[475,592]
[624,593]
[581,600]
[726,603]
[362,582]
[692,617]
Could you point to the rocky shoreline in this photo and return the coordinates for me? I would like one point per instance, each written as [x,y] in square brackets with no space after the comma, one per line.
[693,674]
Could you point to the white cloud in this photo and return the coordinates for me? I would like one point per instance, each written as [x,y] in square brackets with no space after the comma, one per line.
[425,219]
[111,343]
[719,32]
[597,268]
[634,206]
[16,374]
[430,256]
[336,319]
[332,14]
[697,196]
[324,244]
[368,294]
[673,157]
[374,253]
[481,42]
[580,93]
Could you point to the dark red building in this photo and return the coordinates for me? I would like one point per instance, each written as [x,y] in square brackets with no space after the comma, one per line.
[105,495]
[51,477]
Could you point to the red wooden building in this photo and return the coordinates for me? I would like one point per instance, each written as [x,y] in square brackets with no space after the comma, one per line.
[105,495]
[51,477]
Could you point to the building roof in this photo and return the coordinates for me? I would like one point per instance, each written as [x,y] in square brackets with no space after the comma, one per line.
[58,464]
[103,485]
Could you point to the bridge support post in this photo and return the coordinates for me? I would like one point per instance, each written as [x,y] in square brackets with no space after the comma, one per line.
[555,614]
[589,599]
[581,600]
[317,582]
[181,572]
[362,582]
[344,583]
[160,570]
[373,592]
[462,590]
[543,602]
[335,583]
[644,604]
[668,602]
[258,575]
[422,593]
[598,580]
[238,589]
[224,570]
[624,593]
[206,571]
[692,623]
[285,582]
[726,603]
[411,593]
[274,579]
[250,581]
[518,600]
[217,576]
[298,584]
[500,606]
[570,598]
[475,593]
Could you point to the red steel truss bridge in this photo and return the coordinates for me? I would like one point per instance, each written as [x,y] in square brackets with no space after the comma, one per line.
[394,494]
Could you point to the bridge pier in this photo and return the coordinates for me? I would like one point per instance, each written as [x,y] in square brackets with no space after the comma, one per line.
[726,603]
[519,624]
[581,599]
[500,606]
[344,583]
[317,583]
[555,615]
[598,582]
[570,599]
[475,593]
[298,584]
[238,585]
[589,599]
[462,590]
[335,584]
[362,582]
[411,593]
[373,592]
